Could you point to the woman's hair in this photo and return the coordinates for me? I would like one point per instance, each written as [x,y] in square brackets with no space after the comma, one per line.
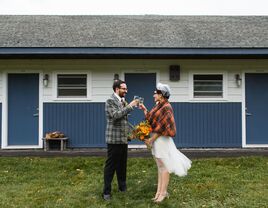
[117,84]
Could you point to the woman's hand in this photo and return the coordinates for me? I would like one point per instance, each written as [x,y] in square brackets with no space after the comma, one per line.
[142,107]
[149,141]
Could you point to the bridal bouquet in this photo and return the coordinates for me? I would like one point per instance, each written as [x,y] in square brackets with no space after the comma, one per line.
[141,131]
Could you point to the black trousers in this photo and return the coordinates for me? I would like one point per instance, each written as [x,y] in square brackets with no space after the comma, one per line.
[116,162]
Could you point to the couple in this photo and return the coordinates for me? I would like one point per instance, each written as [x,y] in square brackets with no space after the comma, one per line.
[161,118]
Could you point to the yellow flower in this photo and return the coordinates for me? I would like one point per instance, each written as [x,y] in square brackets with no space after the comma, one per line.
[141,131]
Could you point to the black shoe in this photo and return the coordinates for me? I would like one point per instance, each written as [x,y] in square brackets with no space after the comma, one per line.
[123,190]
[106,197]
[122,187]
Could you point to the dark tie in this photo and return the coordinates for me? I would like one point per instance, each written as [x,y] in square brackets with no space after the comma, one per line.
[122,102]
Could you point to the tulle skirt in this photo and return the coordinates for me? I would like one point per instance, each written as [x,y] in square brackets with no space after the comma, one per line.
[174,161]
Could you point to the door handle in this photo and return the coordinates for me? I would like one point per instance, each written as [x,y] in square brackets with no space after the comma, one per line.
[36,114]
[248,114]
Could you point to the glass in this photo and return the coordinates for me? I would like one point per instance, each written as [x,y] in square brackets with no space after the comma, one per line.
[141,100]
[208,85]
[157,92]
[72,85]
[136,97]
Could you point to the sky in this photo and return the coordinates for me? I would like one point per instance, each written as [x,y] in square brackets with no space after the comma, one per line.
[134,7]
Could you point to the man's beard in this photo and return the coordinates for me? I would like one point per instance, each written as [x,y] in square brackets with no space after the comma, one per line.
[121,95]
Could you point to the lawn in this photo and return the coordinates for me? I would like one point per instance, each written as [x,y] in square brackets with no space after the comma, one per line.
[77,182]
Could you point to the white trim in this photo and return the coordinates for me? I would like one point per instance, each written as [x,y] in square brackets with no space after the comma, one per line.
[40,112]
[224,82]
[243,109]
[72,99]
[137,146]
[5,111]
[255,145]
[244,118]
[23,147]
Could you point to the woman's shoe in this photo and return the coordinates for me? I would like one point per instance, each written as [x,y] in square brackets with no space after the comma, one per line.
[167,195]
[161,197]
[155,197]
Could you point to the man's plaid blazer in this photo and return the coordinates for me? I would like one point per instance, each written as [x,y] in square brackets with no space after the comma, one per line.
[117,128]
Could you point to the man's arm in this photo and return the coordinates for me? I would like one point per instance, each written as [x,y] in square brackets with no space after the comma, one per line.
[115,112]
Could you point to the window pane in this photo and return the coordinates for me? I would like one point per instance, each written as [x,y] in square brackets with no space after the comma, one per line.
[72,79]
[208,77]
[208,85]
[208,88]
[72,85]
[72,92]
[206,94]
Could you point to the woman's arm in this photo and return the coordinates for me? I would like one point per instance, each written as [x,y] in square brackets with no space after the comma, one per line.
[151,140]
[142,107]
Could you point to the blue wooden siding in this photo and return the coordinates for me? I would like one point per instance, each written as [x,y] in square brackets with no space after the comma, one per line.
[83,123]
[198,124]
[208,124]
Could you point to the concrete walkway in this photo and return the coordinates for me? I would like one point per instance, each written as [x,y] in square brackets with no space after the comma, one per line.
[101,152]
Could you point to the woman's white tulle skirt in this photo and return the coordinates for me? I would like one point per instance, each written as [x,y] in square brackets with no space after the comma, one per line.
[175,162]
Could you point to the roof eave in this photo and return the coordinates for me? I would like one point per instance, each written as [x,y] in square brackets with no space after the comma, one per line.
[116,52]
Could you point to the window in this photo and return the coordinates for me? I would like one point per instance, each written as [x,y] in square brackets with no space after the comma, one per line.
[208,86]
[72,85]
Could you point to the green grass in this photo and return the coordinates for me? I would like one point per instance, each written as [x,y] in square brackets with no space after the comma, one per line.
[77,182]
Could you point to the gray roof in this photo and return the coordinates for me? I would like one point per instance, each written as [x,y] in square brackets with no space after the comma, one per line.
[146,31]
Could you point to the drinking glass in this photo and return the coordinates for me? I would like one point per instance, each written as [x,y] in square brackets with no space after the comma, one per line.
[136,97]
[141,100]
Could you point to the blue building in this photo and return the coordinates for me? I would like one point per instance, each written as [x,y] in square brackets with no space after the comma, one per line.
[56,73]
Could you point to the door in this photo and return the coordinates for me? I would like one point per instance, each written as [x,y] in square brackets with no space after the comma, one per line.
[23,97]
[142,85]
[256,108]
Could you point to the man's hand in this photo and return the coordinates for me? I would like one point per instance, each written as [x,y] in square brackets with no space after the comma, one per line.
[134,103]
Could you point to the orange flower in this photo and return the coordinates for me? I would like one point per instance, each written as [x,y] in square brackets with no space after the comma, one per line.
[141,131]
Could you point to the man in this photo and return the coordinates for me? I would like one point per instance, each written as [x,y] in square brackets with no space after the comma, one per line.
[116,110]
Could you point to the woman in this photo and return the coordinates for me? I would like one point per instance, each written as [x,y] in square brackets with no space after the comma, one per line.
[167,157]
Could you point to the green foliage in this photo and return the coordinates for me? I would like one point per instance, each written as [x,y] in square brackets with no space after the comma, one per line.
[77,182]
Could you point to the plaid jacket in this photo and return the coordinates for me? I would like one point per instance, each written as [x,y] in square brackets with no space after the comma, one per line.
[117,128]
[161,118]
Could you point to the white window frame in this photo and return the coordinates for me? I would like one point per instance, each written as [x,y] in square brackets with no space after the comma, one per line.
[55,86]
[224,87]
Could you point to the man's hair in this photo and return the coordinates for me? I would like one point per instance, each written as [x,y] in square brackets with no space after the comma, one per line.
[117,84]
